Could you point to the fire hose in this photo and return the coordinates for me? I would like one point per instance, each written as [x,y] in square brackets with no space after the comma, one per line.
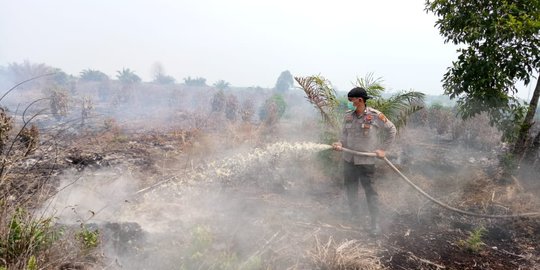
[448,207]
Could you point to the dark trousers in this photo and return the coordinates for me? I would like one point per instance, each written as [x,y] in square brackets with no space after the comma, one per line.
[364,174]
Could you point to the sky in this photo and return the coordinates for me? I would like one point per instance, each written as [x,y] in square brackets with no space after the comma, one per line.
[246,43]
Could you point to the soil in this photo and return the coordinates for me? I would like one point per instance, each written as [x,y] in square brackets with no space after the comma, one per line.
[283,220]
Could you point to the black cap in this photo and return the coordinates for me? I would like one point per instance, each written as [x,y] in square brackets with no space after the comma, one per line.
[358,92]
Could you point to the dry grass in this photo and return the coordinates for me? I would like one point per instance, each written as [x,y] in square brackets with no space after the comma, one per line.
[349,254]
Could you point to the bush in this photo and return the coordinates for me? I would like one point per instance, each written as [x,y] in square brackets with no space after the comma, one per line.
[6,124]
[89,239]
[474,242]
[272,109]
[25,236]
[59,102]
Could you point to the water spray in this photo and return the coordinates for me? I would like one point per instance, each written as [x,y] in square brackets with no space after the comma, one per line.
[448,207]
[237,164]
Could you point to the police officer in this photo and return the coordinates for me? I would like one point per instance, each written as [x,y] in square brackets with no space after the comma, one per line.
[362,132]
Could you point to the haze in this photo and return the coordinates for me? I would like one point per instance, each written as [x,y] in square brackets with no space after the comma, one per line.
[246,43]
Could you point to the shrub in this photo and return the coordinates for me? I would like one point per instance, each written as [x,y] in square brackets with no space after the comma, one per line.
[88,238]
[24,236]
[474,242]
[272,109]
[59,101]
[6,124]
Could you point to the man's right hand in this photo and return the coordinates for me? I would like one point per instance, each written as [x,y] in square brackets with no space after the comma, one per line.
[337,146]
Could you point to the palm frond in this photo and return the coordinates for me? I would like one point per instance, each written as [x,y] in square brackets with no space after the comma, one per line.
[372,85]
[399,107]
[320,93]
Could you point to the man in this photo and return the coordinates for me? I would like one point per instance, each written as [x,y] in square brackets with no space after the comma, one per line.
[363,131]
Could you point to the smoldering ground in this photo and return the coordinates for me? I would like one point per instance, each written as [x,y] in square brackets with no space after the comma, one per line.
[270,209]
[234,207]
[227,197]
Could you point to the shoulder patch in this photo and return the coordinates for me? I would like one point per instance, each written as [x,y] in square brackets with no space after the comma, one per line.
[373,110]
[369,117]
[382,117]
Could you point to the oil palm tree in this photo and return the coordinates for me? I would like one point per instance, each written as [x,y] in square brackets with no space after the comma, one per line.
[397,107]
[93,75]
[320,93]
[127,76]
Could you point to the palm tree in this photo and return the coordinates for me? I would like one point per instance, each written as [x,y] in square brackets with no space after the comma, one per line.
[222,85]
[127,76]
[93,75]
[397,108]
[320,93]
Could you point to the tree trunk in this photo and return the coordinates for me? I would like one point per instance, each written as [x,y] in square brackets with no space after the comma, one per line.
[532,151]
[520,145]
[528,169]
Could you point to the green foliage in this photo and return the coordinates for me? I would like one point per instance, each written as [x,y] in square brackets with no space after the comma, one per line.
[127,76]
[273,109]
[26,236]
[502,47]
[32,263]
[474,242]
[198,81]
[399,107]
[502,39]
[284,82]
[321,94]
[372,85]
[88,238]
[91,75]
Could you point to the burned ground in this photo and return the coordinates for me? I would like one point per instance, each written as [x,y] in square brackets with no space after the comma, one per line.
[285,216]
[162,196]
